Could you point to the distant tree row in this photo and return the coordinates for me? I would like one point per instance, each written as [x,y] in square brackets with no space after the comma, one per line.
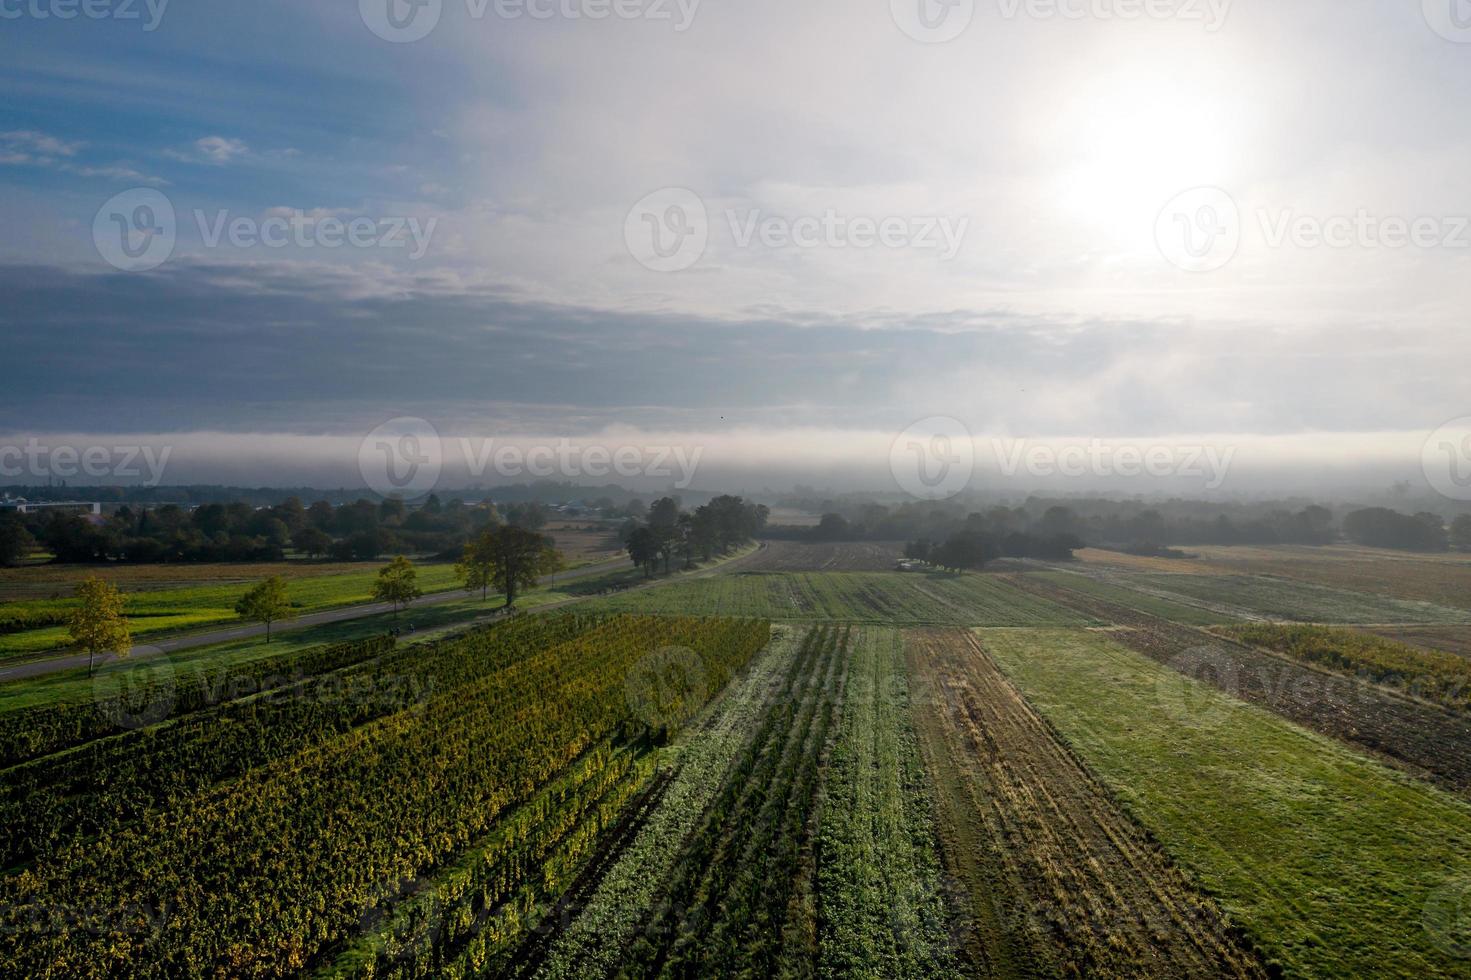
[669,531]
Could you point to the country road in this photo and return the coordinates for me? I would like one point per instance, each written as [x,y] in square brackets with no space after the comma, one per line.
[188,641]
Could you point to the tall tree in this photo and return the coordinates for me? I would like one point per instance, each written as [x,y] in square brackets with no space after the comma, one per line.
[398,583]
[98,625]
[509,559]
[266,603]
[643,548]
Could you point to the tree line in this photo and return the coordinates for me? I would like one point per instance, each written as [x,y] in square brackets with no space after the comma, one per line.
[668,531]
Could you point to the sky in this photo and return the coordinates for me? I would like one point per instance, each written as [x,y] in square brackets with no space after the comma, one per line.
[786,236]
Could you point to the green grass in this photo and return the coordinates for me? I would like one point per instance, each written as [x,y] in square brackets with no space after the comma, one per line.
[891,598]
[1336,865]
[1176,612]
[1278,598]
[155,612]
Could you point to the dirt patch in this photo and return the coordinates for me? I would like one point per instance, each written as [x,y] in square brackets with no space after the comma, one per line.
[1055,878]
[829,556]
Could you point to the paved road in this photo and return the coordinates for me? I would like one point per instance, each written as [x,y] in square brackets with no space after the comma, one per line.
[188,641]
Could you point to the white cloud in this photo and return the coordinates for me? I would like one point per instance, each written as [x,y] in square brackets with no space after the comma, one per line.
[220,149]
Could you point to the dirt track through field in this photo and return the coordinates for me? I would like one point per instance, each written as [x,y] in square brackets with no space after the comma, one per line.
[1059,880]
[1427,740]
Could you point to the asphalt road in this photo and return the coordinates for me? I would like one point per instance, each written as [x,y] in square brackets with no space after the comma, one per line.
[188,641]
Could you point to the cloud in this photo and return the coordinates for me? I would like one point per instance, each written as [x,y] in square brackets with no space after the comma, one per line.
[217,149]
[33,144]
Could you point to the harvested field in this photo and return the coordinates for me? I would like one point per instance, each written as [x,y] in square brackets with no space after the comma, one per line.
[1301,602]
[1059,881]
[1334,865]
[1444,579]
[1451,639]
[884,598]
[1427,740]
[1177,612]
[828,556]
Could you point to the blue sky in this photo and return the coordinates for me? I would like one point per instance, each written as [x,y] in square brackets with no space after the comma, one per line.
[1026,171]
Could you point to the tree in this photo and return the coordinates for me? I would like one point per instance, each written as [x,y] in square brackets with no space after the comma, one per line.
[266,603]
[509,559]
[1461,533]
[643,548]
[15,541]
[311,541]
[397,583]
[98,625]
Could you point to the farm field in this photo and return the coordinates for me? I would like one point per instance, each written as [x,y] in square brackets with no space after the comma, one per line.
[1281,599]
[1449,639]
[1426,740]
[845,556]
[1059,880]
[1442,579]
[883,598]
[1116,591]
[1334,865]
[349,780]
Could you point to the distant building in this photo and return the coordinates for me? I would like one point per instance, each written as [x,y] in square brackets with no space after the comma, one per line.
[21,505]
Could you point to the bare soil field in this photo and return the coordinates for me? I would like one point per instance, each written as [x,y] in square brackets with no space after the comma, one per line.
[1058,879]
[1424,739]
[834,556]
[581,542]
[1451,639]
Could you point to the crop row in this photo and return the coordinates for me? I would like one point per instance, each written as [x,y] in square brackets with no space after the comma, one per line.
[46,803]
[206,887]
[1430,674]
[41,730]
[608,922]
[879,897]
[728,908]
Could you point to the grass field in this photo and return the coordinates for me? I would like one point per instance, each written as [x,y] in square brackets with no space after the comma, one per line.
[885,598]
[1284,599]
[1335,865]
[158,610]
[1116,591]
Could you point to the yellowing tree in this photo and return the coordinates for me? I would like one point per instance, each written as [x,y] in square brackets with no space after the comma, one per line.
[98,625]
[397,583]
[266,603]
